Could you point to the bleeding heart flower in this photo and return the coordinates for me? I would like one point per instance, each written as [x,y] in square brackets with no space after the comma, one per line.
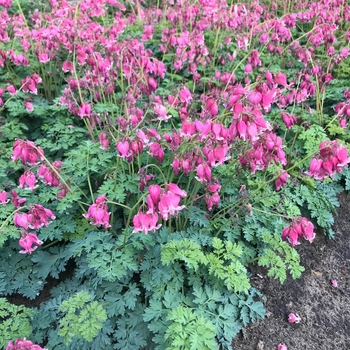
[29,106]
[3,198]
[282,347]
[104,142]
[12,90]
[26,242]
[292,318]
[144,222]
[27,179]
[98,212]
[334,283]
[21,220]
[169,205]
[173,188]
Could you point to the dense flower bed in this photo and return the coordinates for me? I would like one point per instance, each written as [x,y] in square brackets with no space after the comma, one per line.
[158,150]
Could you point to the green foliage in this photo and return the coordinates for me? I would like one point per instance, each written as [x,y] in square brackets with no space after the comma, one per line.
[189,331]
[279,256]
[15,322]
[185,285]
[311,138]
[186,250]
[318,204]
[198,217]
[61,134]
[224,264]
[83,318]
[104,254]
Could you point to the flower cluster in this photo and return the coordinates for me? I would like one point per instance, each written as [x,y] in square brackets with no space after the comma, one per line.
[343,110]
[98,212]
[331,159]
[23,344]
[159,202]
[27,151]
[37,217]
[300,227]
[30,154]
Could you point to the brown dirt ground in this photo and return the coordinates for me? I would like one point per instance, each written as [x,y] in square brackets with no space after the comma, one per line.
[324,309]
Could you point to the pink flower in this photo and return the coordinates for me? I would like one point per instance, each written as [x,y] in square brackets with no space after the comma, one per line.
[248,68]
[23,344]
[156,151]
[211,106]
[254,97]
[48,175]
[242,129]
[307,229]
[84,110]
[204,173]
[147,33]
[3,198]
[282,180]
[123,148]
[161,112]
[29,106]
[21,220]
[16,201]
[12,90]
[288,119]
[27,151]
[27,179]
[169,205]
[212,200]
[98,213]
[103,141]
[334,283]
[293,318]
[282,347]
[67,67]
[175,189]
[63,190]
[331,159]
[281,79]
[300,227]
[185,95]
[144,222]
[43,58]
[187,129]
[218,155]
[6,3]
[154,191]
[38,216]
[26,242]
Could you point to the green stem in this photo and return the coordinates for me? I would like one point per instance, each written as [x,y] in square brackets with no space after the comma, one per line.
[273,214]
[88,178]
[50,244]
[121,205]
[156,166]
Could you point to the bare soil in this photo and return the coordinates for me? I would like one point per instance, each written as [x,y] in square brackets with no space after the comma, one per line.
[323,308]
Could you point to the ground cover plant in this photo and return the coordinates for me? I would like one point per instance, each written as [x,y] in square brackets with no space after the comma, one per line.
[155,151]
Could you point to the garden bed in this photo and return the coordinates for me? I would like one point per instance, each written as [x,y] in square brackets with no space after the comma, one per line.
[161,162]
[323,308]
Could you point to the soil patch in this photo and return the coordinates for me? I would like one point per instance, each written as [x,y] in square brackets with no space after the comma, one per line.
[323,308]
